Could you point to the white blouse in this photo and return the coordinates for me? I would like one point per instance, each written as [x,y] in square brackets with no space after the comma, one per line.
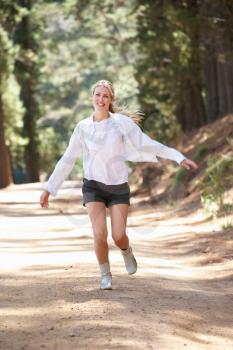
[105,147]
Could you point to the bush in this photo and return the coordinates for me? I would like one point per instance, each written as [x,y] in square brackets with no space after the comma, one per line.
[201,150]
[178,178]
[217,178]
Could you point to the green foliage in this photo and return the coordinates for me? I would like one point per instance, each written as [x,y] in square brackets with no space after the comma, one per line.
[13,110]
[218,176]
[228,207]
[201,150]
[209,204]
[178,178]
[49,149]
[171,69]
[28,70]
[227,225]
[9,88]
[6,57]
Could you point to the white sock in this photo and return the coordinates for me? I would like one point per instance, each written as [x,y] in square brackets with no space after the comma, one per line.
[126,251]
[104,268]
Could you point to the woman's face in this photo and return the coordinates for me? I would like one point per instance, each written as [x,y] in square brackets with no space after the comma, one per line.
[101,99]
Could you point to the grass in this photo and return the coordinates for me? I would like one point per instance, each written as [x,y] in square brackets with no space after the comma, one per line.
[227,225]
[218,177]
[178,178]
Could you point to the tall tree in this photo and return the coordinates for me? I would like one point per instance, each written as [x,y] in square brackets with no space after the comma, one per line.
[169,71]
[217,41]
[7,54]
[186,66]
[27,36]
[5,64]
[190,106]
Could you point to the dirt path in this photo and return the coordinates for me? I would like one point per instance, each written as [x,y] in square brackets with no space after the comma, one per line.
[181,297]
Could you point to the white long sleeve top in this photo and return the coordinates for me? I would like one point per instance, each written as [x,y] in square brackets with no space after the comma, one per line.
[105,146]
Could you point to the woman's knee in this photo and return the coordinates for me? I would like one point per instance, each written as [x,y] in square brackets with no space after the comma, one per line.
[100,235]
[119,237]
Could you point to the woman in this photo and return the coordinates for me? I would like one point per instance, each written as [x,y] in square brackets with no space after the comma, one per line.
[106,140]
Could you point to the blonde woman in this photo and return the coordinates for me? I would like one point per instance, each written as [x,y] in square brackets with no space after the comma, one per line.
[106,140]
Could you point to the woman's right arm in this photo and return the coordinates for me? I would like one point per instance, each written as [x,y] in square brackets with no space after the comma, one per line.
[44,199]
[63,167]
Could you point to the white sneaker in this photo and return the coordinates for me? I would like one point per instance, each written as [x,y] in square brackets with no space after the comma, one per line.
[106,276]
[106,281]
[130,261]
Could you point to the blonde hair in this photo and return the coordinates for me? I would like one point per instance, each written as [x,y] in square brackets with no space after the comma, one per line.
[136,116]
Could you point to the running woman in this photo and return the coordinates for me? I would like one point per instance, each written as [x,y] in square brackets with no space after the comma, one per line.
[106,140]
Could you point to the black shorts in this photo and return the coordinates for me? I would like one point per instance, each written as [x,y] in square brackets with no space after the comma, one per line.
[95,191]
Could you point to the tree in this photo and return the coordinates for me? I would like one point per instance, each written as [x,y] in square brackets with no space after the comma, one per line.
[169,68]
[185,69]
[217,42]
[7,55]
[27,70]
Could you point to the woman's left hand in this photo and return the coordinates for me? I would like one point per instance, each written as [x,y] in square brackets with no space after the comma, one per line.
[188,164]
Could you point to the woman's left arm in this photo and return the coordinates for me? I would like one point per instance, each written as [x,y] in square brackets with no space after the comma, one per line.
[147,149]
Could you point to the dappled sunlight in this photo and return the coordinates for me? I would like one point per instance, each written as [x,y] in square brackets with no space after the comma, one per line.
[155,219]
[176,313]
[18,261]
[180,296]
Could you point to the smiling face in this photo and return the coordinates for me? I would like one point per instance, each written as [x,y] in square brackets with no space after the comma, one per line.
[101,99]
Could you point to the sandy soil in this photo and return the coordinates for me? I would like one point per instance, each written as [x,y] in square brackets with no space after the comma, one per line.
[181,297]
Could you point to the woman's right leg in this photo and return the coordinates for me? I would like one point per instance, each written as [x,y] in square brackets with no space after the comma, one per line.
[97,215]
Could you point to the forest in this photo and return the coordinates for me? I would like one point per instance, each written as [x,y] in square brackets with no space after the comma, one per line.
[173,60]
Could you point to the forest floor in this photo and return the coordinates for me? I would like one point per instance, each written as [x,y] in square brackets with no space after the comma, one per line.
[180,298]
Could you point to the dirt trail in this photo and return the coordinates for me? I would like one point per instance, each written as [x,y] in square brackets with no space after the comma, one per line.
[181,297]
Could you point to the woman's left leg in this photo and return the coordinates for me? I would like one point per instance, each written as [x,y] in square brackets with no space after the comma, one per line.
[119,214]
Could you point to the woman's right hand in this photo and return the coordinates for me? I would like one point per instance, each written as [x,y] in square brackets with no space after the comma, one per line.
[44,199]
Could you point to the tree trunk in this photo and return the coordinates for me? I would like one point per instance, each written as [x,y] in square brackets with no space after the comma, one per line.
[31,150]
[27,76]
[190,109]
[211,83]
[218,63]
[225,77]
[5,168]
